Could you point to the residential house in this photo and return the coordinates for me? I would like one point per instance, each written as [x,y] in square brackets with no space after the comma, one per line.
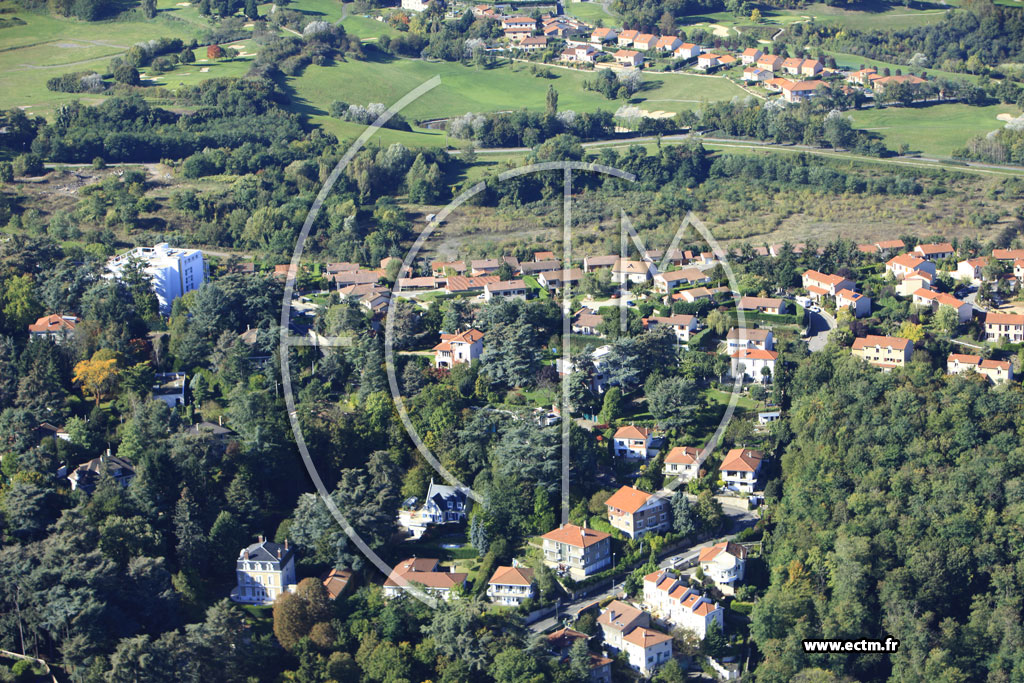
[1018,271]
[741,468]
[458,283]
[415,5]
[878,84]
[263,571]
[749,338]
[860,77]
[763,304]
[1008,254]
[533,43]
[356,277]
[792,65]
[518,22]
[935,252]
[798,91]
[600,36]
[562,640]
[709,60]
[684,462]
[442,269]
[630,58]
[445,504]
[671,599]
[489,266]
[667,281]
[682,325]
[645,41]
[884,352]
[417,284]
[631,441]
[725,564]
[694,294]
[509,289]
[1009,326]
[687,51]
[916,280]
[518,35]
[627,629]
[758,365]
[557,279]
[577,550]
[87,475]
[628,271]
[538,267]
[819,285]
[625,38]
[726,60]
[811,68]
[336,582]
[585,53]
[889,246]
[46,430]
[637,513]
[755,74]
[342,267]
[169,387]
[770,63]
[173,272]
[425,573]
[751,55]
[55,327]
[995,370]
[859,304]
[464,347]
[668,44]
[511,586]
[587,323]
[972,269]
[934,300]
[592,263]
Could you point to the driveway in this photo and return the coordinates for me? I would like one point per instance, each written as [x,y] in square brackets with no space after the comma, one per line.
[820,324]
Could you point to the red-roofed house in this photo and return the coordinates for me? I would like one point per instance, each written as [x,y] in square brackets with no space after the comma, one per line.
[603,35]
[771,63]
[741,468]
[762,304]
[687,51]
[884,352]
[426,573]
[934,252]
[684,462]
[511,585]
[820,284]
[905,264]
[1008,254]
[798,91]
[464,347]
[577,550]
[1008,325]
[859,304]
[625,38]
[791,65]
[933,300]
[682,325]
[667,43]
[724,563]
[337,582]
[627,629]
[670,598]
[751,55]
[995,370]
[636,513]
[916,280]
[971,269]
[628,58]
[645,41]
[753,363]
[633,442]
[55,327]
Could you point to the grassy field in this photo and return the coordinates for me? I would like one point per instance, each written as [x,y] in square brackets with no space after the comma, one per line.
[591,12]
[935,130]
[873,16]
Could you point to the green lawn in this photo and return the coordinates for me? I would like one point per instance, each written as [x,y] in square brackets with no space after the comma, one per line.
[591,12]
[934,130]
[366,28]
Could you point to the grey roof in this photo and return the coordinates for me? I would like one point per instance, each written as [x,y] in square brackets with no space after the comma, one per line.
[267,551]
[209,428]
[440,494]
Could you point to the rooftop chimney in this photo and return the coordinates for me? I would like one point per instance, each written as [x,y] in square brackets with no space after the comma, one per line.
[260,537]
[286,544]
[279,553]
[245,553]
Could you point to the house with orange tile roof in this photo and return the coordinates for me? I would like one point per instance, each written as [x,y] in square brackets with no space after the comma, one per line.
[884,352]
[628,58]
[684,462]
[971,269]
[916,280]
[887,246]
[904,264]
[425,573]
[741,468]
[791,65]
[336,582]
[687,51]
[459,283]
[936,251]
[771,63]
[575,550]
[669,280]
[670,598]
[511,586]
[858,304]
[603,35]
[820,285]
[637,513]
[751,55]
[627,629]
[995,371]
[879,83]
[626,37]
[667,43]
[1008,254]
[860,77]
[645,41]
[757,365]
[811,67]
[464,347]
[762,304]
[709,60]
[631,441]
[629,271]
[798,91]
[725,564]
[1009,326]
[935,300]
[561,641]
[55,327]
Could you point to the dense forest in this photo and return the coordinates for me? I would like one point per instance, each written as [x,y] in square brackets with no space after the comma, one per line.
[900,515]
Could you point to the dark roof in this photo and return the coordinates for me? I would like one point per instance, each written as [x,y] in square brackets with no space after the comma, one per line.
[209,428]
[267,551]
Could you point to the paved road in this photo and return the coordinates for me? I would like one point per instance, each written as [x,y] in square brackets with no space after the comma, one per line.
[820,325]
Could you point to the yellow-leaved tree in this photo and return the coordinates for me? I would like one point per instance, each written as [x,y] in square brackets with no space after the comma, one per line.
[98,375]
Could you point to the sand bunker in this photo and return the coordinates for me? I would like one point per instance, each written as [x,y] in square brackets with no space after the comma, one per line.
[204,69]
[238,46]
[1005,117]
[719,30]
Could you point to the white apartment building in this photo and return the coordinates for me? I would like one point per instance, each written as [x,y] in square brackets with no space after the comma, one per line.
[174,272]
[670,598]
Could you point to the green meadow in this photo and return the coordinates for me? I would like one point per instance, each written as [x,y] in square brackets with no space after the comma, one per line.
[934,130]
